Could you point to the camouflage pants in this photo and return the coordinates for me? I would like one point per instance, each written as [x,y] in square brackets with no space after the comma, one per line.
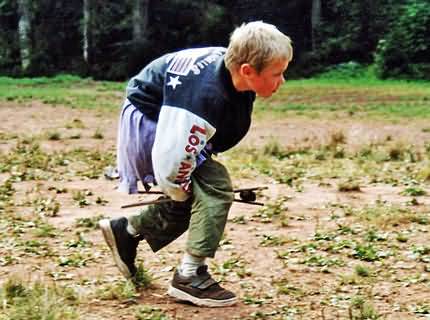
[204,214]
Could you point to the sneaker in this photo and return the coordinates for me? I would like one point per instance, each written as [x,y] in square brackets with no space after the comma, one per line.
[122,244]
[200,289]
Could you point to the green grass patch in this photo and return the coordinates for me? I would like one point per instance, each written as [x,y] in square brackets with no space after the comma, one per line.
[28,161]
[386,215]
[324,96]
[64,90]
[37,301]
[328,95]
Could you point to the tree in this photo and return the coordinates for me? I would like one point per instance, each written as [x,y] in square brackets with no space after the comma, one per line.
[24,30]
[86,29]
[315,21]
[140,20]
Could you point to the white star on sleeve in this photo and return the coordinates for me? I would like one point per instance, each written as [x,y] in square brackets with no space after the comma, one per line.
[174,81]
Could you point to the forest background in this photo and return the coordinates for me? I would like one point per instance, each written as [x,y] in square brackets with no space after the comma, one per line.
[112,40]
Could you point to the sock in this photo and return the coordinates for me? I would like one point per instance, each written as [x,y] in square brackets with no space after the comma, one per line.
[190,264]
[130,229]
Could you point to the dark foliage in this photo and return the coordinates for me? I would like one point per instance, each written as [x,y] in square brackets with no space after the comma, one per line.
[405,49]
[56,38]
[347,31]
[9,45]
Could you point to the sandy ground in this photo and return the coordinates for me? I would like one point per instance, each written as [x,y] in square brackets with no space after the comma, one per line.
[307,212]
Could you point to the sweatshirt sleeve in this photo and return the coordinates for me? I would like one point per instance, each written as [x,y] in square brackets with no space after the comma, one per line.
[181,135]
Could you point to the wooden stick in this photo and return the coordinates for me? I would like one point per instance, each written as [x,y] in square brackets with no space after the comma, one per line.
[250,189]
[145,203]
[235,190]
[151,192]
[249,202]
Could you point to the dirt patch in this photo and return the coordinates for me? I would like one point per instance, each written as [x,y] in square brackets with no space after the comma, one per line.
[356,133]
[273,266]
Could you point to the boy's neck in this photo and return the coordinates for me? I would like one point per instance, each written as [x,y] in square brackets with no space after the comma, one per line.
[239,82]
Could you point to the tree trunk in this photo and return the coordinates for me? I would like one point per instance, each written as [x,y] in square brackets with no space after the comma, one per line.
[315,21]
[24,29]
[140,20]
[86,29]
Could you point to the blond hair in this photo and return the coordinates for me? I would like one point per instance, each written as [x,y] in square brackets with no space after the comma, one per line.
[257,43]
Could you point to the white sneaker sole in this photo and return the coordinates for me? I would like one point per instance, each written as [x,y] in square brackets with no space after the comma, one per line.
[181,295]
[104,225]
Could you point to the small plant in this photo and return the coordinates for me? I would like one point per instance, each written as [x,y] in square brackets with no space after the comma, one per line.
[98,134]
[38,248]
[150,313]
[373,235]
[81,197]
[90,223]
[365,152]
[272,241]
[336,138]
[424,173]
[45,230]
[365,252]
[348,186]
[239,220]
[421,308]
[14,288]
[273,148]
[142,278]
[396,152]
[414,192]
[53,136]
[80,242]
[73,260]
[404,152]
[75,136]
[401,237]
[420,219]
[101,201]
[121,290]
[46,206]
[58,190]
[284,287]
[360,309]
[75,123]
[339,152]
[272,210]
[6,193]
[7,260]
[421,251]
[236,264]
[321,261]
[349,279]
[362,270]
[250,300]
[412,202]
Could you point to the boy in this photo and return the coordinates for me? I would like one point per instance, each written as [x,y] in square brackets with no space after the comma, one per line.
[180,109]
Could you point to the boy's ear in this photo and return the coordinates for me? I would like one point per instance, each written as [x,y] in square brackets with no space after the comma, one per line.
[247,70]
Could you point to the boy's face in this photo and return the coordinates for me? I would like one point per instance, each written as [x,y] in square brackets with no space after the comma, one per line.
[268,81]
